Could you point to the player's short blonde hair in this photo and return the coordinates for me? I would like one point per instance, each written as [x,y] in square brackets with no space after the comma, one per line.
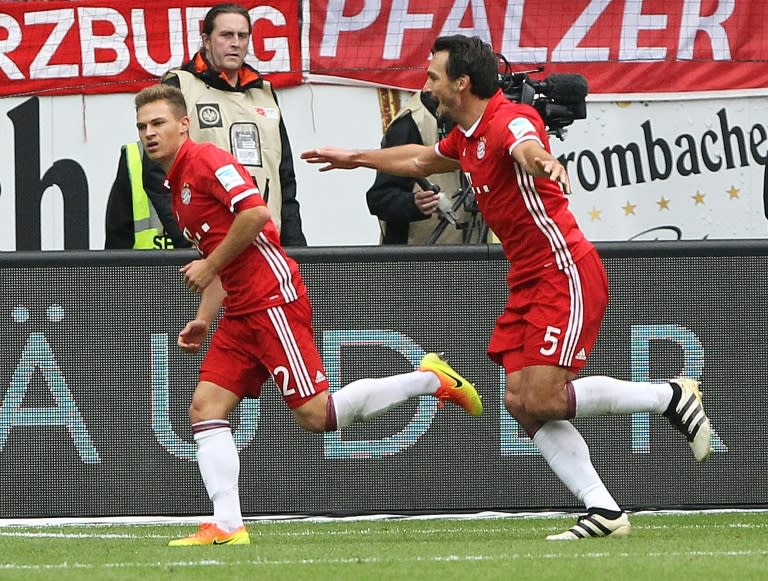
[172,95]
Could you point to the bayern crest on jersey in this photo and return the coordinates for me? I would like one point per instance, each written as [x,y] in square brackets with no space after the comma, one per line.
[481,148]
[186,194]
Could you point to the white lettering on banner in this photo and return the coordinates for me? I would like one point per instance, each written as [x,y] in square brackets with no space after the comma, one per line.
[140,43]
[11,43]
[479,18]
[712,25]
[510,44]
[336,23]
[568,49]
[396,27]
[625,39]
[96,53]
[63,20]
[111,43]
[277,45]
[195,17]
[633,22]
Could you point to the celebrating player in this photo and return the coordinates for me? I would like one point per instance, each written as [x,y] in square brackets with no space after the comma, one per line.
[558,288]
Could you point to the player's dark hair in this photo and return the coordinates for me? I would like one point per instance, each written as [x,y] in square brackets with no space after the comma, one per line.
[172,95]
[473,57]
[210,18]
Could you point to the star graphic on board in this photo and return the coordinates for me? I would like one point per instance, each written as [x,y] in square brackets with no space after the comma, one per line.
[733,192]
[594,214]
[698,198]
[663,204]
[629,209]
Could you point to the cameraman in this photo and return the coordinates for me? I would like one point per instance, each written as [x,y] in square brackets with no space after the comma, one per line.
[407,213]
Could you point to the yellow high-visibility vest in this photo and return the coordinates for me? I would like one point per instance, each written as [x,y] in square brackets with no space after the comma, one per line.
[145,220]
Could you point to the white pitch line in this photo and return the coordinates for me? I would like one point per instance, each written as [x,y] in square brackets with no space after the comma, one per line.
[149,520]
[365,560]
[322,532]
[52,535]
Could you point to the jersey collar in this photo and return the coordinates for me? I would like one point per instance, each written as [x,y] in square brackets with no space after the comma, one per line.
[179,157]
[482,121]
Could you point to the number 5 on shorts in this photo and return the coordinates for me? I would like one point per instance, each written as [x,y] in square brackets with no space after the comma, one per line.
[550,341]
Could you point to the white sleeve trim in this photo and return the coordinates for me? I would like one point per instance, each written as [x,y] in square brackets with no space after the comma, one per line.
[438,152]
[241,196]
[526,138]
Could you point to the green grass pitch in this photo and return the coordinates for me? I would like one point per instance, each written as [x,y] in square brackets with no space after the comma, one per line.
[676,546]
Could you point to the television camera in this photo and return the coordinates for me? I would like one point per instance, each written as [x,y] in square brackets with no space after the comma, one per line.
[560,99]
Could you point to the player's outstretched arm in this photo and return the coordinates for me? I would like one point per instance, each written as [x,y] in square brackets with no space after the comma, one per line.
[404,160]
[332,157]
[539,163]
[556,172]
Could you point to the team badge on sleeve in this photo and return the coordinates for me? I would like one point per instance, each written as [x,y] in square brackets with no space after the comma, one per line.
[229,177]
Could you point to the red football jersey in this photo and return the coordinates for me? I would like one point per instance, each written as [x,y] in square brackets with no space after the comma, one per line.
[529,215]
[208,187]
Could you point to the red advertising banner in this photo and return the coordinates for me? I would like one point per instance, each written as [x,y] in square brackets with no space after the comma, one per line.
[112,46]
[620,46]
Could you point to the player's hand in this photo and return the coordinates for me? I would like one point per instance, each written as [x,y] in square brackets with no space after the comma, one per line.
[192,336]
[556,172]
[198,274]
[333,157]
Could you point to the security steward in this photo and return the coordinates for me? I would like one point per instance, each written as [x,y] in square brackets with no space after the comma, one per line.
[139,209]
[233,106]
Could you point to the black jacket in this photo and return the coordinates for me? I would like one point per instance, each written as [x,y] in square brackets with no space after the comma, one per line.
[390,198]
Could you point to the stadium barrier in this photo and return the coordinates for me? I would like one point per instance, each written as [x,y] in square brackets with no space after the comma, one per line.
[93,415]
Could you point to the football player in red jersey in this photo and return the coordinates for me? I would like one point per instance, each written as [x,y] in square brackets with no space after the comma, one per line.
[558,288]
[266,329]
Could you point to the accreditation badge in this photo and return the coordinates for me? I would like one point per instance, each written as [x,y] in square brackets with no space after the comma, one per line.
[246,143]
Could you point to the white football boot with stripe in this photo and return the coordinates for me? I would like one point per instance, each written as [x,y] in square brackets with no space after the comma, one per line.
[594,525]
[686,413]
